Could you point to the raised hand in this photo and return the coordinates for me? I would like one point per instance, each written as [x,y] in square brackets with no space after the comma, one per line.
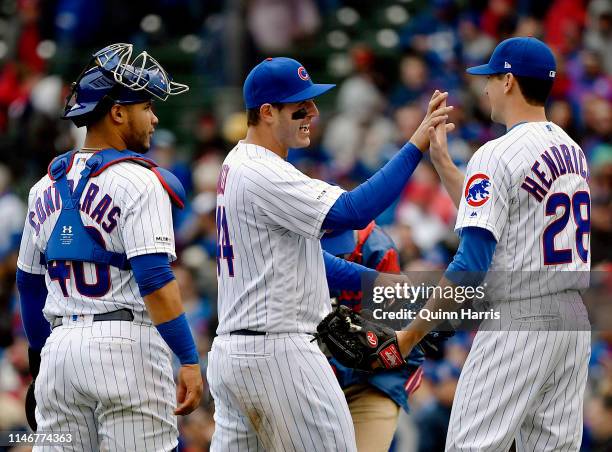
[436,115]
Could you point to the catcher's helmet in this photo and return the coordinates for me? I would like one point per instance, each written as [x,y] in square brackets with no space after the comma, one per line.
[113,77]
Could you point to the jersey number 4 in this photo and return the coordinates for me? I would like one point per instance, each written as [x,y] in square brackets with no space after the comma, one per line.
[582,221]
[60,271]
[224,245]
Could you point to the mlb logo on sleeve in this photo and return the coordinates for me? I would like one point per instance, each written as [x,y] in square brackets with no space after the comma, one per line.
[477,190]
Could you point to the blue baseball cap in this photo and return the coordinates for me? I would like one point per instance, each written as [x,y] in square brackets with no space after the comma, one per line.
[280,80]
[527,57]
[339,242]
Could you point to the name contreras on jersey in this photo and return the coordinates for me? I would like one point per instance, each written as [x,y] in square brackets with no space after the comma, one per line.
[50,202]
[559,163]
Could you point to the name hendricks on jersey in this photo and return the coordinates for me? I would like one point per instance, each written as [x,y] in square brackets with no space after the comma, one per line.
[560,163]
[50,202]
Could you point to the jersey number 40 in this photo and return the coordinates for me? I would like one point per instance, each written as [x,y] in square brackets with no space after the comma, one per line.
[225,250]
[60,271]
[582,221]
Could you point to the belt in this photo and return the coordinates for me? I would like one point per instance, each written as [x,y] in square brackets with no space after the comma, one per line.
[247,333]
[120,314]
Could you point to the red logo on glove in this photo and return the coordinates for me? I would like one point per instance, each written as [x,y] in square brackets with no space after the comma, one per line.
[372,339]
[391,357]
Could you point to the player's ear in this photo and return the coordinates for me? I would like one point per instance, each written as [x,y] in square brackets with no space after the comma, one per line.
[118,114]
[509,82]
[266,113]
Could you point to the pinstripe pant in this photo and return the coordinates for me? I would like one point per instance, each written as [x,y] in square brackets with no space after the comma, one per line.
[523,385]
[110,385]
[276,393]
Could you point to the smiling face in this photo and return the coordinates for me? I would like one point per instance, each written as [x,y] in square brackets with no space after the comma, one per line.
[141,122]
[292,125]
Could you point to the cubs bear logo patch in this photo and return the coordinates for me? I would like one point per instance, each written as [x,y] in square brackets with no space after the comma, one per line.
[477,190]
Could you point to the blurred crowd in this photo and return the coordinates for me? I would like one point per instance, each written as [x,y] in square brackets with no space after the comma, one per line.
[387,57]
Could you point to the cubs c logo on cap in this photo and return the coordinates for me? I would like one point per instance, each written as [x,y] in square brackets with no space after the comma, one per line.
[302,73]
[477,190]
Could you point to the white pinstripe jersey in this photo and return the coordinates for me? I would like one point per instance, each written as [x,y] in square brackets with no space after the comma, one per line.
[269,260]
[530,189]
[131,211]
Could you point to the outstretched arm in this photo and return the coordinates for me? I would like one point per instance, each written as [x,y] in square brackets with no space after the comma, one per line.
[343,275]
[469,268]
[355,209]
[451,177]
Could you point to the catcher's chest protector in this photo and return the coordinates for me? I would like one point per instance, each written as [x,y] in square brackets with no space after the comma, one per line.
[70,239]
[389,264]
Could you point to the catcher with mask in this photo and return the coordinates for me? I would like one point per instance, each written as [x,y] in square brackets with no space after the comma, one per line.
[356,340]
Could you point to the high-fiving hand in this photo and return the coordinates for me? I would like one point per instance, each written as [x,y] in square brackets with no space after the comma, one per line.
[437,114]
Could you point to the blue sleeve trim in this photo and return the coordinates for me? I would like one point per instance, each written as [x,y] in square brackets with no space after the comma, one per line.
[473,258]
[32,296]
[343,275]
[355,209]
[177,334]
[152,272]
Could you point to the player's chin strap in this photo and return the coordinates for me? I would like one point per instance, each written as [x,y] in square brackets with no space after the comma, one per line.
[70,239]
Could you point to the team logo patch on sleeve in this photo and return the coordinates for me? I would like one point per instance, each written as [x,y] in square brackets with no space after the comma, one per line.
[477,190]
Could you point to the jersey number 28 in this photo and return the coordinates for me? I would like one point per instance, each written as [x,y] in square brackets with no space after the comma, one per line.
[582,221]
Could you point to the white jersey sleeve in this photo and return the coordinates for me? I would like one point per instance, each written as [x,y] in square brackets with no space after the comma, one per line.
[29,254]
[486,193]
[146,227]
[287,197]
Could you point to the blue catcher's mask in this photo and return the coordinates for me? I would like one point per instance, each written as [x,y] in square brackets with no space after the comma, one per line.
[113,77]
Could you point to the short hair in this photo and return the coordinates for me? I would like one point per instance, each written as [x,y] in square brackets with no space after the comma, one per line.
[100,110]
[253,113]
[97,114]
[534,90]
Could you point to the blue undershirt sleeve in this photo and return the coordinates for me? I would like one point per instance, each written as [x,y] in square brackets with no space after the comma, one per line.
[343,275]
[151,271]
[356,208]
[177,334]
[32,296]
[473,258]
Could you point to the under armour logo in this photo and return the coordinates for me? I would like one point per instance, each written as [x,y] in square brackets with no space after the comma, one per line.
[507,65]
[473,214]
[66,229]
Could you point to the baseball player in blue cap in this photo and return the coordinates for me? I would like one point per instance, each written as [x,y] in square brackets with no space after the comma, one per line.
[374,399]
[273,387]
[524,210]
[100,305]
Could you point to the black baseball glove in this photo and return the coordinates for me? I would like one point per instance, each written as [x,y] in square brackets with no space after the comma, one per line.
[357,340]
[30,401]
